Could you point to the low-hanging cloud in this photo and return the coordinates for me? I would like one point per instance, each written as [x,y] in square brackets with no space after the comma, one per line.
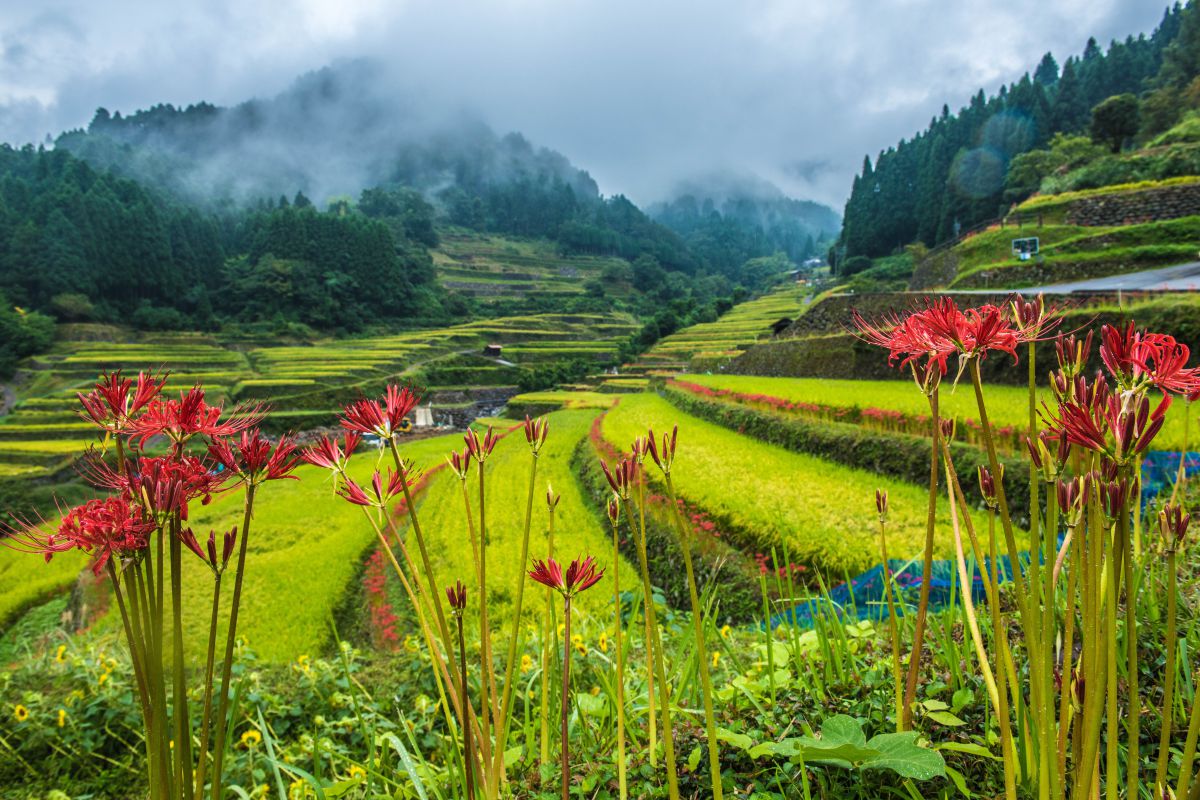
[644,96]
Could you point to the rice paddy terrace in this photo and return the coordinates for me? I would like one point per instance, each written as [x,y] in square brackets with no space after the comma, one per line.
[304,383]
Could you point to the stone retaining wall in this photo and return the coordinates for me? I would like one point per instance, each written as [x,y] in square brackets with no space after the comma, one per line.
[1128,208]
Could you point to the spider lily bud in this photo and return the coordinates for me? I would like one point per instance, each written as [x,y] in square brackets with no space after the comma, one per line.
[881,504]
[457,595]
[947,428]
[987,487]
[208,554]
[1073,497]
[1073,353]
[663,453]
[1078,690]
[535,433]
[620,477]
[1114,496]
[614,510]
[1173,522]
[480,449]
[639,449]
[460,463]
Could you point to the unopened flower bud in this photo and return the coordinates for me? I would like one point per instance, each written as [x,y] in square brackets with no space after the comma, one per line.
[1173,522]
[881,504]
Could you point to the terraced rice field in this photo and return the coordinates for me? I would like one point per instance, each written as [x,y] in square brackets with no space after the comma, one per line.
[492,268]
[823,512]
[702,347]
[1007,406]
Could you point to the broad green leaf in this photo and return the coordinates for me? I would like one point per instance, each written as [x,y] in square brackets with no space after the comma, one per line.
[970,748]
[962,698]
[945,718]
[900,753]
[934,705]
[694,758]
[842,729]
[738,740]
[959,781]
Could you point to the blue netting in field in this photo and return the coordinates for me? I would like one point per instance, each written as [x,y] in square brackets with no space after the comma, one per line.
[863,597]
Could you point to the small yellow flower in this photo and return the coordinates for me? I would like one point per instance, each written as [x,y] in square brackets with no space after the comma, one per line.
[76,694]
[20,713]
[716,658]
[60,655]
[357,773]
[62,718]
[604,643]
[303,665]
[410,644]
[561,629]
[526,663]
[251,738]
[577,640]
[581,648]
[725,629]
[103,677]
[296,791]
[595,691]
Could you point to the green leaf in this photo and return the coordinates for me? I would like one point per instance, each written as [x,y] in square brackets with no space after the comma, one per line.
[407,761]
[945,718]
[970,748]
[842,729]
[934,705]
[962,698]
[900,753]
[694,758]
[738,740]
[959,781]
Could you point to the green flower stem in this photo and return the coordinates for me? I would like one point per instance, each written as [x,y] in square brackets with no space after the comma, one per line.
[1134,711]
[487,684]
[622,778]
[206,715]
[710,725]
[468,750]
[914,658]
[566,698]
[655,645]
[223,721]
[1183,787]
[1168,706]
[516,636]
[179,701]
[549,638]
[648,635]
[893,629]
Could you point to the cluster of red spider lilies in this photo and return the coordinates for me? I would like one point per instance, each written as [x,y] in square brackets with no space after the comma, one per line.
[1080,584]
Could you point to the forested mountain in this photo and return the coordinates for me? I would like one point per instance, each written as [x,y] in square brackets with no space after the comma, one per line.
[726,220]
[957,172]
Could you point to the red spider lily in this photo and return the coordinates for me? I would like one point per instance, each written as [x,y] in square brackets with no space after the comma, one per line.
[480,449]
[460,463]
[535,433]
[621,477]
[102,528]
[457,595]
[189,416]
[1073,353]
[613,510]
[1131,429]
[1118,351]
[253,459]
[331,454]
[1173,521]
[109,404]
[382,419]
[161,484]
[1073,496]
[666,457]
[209,554]
[1033,320]
[1164,364]
[1083,425]
[380,493]
[580,575]
[906,338]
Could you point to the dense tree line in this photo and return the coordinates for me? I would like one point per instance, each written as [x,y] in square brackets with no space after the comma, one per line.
[954,174]
[84,244]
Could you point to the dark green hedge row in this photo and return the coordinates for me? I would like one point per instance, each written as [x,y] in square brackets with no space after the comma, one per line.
[897,455]
[712,559]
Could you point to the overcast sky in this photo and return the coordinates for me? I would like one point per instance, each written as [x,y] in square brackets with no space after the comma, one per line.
[642,93]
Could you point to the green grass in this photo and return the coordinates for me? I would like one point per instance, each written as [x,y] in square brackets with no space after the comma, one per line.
[565,399]
[824,512]
[1047,201]
[1006,405]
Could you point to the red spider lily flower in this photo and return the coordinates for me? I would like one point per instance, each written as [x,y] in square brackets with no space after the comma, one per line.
[1173,521]
[580,575]
[457,595]
[1135,428]
[189,416]
[1193,395]
[460,463]
[987,487]
[208,554]
[1083,425]
[1072,353]
[1163,361]
[379,494]
[535,433]
[163,485]
[1033,320]
[103,528]
[613,510]
[331,454]
[1118,351]
[382,419]
[109,404]
[253,459]
[621,477]
[480,449]
[907,338]
[881,504]
[663,457]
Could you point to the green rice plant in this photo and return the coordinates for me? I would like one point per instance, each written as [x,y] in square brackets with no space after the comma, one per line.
[812,506]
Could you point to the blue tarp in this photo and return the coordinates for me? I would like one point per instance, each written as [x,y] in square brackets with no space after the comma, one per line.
[863,597]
